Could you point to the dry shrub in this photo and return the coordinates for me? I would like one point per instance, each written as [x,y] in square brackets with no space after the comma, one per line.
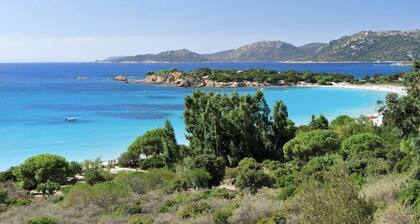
[396,214]
[255,207]
[383,190]
[167,218]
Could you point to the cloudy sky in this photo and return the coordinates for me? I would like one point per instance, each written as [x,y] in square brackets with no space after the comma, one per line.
[85,30]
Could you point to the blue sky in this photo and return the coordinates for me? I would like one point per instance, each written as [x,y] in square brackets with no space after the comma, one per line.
[85,30]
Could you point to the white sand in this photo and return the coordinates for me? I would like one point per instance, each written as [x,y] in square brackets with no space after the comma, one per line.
[386,88]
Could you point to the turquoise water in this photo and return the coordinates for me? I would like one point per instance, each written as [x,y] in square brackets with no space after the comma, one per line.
[35,99]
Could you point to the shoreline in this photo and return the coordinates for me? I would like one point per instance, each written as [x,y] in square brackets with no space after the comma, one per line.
[373,87]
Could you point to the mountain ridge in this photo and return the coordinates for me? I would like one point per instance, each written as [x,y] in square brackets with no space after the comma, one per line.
[363,46]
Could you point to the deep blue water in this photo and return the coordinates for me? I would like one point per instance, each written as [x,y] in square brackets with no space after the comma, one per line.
[35,99]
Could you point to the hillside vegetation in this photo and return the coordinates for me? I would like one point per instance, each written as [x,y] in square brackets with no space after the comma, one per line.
[245,163]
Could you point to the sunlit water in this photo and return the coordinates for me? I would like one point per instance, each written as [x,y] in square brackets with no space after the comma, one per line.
[36,98]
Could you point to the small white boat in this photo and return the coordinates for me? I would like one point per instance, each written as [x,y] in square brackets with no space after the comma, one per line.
[71,119]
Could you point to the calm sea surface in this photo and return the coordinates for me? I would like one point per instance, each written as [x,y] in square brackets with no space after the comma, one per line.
[35,99]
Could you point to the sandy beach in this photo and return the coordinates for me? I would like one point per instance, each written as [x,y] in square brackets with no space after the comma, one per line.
[386,88]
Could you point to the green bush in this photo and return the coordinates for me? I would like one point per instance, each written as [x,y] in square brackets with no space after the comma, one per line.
[153,162]
[212,164]
[42,220]
[410,195]
[140,220]
[251,176]
[191,178]
[364,142]
[335,199]
[3,195]
[140,182]
[194,209]
[48,188]
[20,201]
[40,169]
[310,144]
[7,175]
[321,163]
[221,215]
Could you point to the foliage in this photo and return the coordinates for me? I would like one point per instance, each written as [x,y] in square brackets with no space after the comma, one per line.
[310,144]
[141,183]
[152,163]
[48,188]
[74,168]
[157,143]
[7,175]
[140,220]
[214,165]
[234,127]
[410,195]
[194,209]
[335,199]
[40,169]
[250,175]
[94,172]
[320,122]
[321,163]
[364,142]
[42,220]
[346,126]
[191,178]
[3,195]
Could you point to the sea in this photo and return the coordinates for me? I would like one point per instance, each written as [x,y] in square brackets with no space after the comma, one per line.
[36,98]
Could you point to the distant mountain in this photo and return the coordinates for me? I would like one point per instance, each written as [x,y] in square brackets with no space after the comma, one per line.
[362,46]
[372,46]
[182,55]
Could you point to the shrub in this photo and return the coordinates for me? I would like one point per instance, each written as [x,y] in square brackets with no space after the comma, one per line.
[221,215]
[42,220]
[48,188]
[140,182]
[318,122]
[194,209]
[191,178]
[383,190]
[333,200]
[310,144]
[140,220]
[250,175]
[129,159]
[321,163]
[213,164]
[7,175]
[410,195]
[364,142]
[396,214]
[40,169]
[3,195]
[153,162]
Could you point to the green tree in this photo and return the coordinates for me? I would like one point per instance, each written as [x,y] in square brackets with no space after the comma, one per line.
[214,165]
[40,169]
[416,66]
[283,128]
[74,168]
[314,143]
[320,122]
[364,142]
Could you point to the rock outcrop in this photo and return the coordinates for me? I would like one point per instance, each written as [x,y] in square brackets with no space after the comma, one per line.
[121,78]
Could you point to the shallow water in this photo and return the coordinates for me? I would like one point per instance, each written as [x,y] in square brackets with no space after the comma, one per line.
[35,99]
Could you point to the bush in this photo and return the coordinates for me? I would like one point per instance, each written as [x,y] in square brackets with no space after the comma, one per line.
[40,169]
[3,195]
[192,178]
[153,162]
[141,183]
[212,164]
[335,199]
[321,163]
[194,209]
[310,144]
[364,142]
[140,220]
[42,220]
[7,175]
[250,175]
[48,188]
[410,195]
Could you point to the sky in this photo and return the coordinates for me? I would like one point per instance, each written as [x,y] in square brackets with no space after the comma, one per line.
[86,30]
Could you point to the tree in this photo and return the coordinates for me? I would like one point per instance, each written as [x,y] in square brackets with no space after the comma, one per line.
[416,66]
[40,169]
[364,142]
[74,168]
[310,144]
[320,122]
[171,149]
[283,128]
[93,171]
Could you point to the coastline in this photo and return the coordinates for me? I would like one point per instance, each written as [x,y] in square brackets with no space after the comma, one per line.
[374,87]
